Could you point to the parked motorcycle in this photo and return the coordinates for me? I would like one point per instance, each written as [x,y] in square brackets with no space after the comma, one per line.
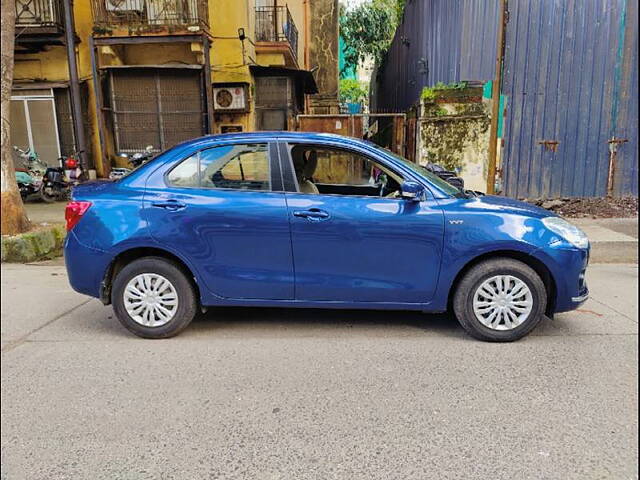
[29,174]
[445,174]
[55,183]
[451,177]
[136,160]
[72,168]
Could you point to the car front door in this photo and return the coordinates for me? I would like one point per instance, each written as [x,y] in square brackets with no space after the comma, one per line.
[223,209]
[353,239]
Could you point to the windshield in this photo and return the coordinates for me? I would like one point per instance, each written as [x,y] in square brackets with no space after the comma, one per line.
[443,185]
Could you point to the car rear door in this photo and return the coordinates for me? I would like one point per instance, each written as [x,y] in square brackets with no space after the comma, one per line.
[359,248]
[223,209]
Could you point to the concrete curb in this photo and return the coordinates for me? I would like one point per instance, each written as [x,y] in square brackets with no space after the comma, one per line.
[43,243]
[613,240]
[614,252]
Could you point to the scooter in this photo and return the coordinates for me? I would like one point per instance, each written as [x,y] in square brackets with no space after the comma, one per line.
[72,168]
[29,176]
[55,185]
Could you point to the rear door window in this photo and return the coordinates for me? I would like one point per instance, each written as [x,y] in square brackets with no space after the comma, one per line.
[237,166]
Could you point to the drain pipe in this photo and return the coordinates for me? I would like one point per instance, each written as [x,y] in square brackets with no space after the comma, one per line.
[495,101]
[74,85]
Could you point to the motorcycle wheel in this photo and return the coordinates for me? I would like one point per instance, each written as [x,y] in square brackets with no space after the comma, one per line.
[46,197]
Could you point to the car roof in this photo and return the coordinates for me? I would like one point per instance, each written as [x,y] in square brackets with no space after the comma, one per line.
[276,135]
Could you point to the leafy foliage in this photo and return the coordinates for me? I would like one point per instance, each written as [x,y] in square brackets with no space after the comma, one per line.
[429,93]
[368,29]
[352,91]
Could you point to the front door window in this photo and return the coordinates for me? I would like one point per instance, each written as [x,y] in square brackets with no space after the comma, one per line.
[334,171]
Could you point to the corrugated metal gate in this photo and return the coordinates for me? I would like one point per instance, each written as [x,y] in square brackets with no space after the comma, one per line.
[155,106]
[571,79]
[570,76]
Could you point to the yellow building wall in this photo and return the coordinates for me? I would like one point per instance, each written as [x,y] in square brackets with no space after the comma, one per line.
[228,62]
[297,9]
[51,66]
[225,18]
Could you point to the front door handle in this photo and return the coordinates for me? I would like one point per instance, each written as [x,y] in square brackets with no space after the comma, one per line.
[172,205]
[313,214]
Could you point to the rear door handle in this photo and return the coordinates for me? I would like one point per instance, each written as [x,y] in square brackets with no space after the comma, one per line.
[172,205]
[313,214]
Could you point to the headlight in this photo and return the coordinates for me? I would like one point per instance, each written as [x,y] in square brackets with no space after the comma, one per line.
[569,232]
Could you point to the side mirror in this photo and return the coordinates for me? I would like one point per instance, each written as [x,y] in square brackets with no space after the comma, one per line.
[412,191]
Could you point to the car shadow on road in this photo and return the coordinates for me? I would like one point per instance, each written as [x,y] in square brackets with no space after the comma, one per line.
[328,322]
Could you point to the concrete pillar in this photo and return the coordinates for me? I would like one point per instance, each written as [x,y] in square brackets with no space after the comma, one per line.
[323,55]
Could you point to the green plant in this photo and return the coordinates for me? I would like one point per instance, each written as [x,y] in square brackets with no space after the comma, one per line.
[367,31]
[352,91]
[428,94]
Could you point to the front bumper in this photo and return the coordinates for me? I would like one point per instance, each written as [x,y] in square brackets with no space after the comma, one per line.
[567,265]
[581,299]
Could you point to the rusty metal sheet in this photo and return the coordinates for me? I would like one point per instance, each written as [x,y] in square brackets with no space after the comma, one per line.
[347,125]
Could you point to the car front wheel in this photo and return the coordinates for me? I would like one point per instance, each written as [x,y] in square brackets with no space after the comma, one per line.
[500,300]
[153,298]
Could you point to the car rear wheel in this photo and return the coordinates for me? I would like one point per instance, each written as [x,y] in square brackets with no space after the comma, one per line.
[500,300]
[153,298]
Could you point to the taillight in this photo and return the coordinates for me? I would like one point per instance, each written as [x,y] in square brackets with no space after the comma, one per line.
[74,212]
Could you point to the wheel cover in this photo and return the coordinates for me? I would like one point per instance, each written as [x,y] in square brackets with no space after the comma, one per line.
[502,302]
[150,300]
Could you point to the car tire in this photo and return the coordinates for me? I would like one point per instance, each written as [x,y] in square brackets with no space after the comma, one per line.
[479,295]
[174,292]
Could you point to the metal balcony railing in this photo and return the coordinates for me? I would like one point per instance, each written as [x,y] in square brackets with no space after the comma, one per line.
[39,13]
[275,24]
[180,13]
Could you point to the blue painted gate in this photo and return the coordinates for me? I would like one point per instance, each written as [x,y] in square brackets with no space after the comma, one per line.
[571,82]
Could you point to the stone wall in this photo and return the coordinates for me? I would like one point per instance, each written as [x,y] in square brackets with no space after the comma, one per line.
[454,132]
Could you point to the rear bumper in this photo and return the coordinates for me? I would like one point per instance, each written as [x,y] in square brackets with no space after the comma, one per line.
[85,266]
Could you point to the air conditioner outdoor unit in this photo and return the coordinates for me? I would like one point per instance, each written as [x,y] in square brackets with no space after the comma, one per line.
[230,98]
[124,5]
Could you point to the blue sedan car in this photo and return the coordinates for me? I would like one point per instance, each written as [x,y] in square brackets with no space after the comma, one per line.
[314,220]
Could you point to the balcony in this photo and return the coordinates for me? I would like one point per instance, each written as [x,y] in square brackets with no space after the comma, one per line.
[38,23]
[274,28]
[150,16]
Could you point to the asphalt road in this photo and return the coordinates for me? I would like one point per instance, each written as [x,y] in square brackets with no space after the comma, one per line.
[294,394]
